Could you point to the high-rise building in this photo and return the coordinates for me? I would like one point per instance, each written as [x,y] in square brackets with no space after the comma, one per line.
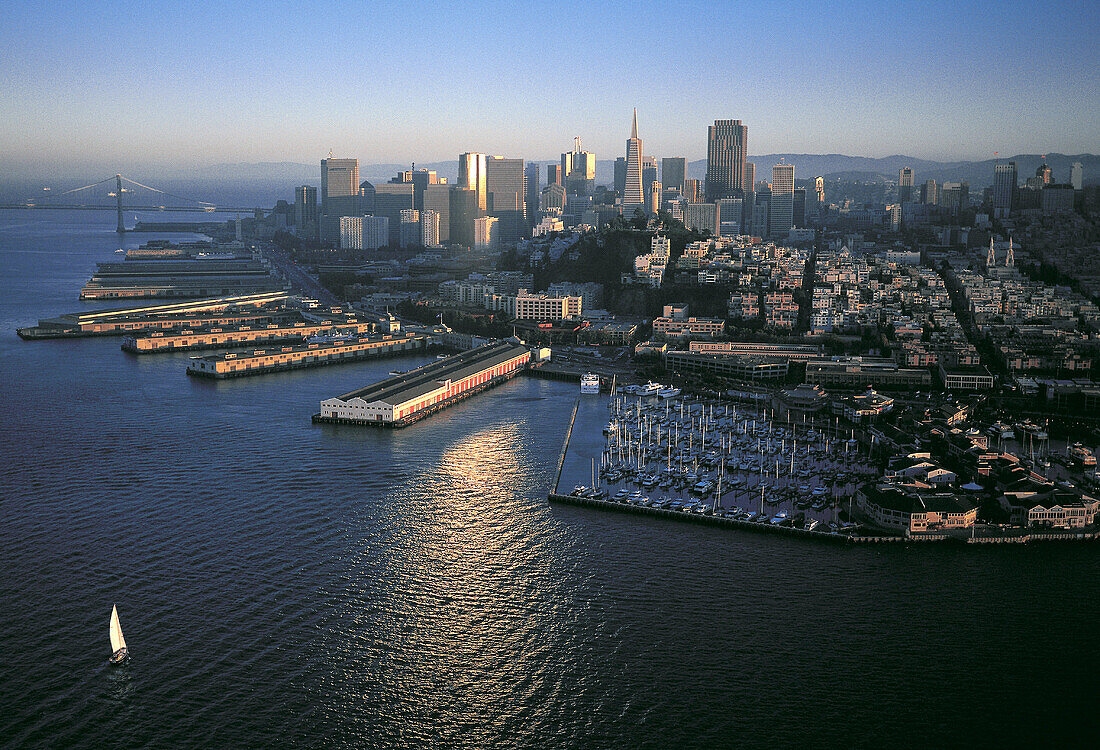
[781,208]
[437,198]
[653,198]
[366,198]
[351,232]
[673,173]
[620,175]
[429,228]
[464,211]
[486,235]
[420,179]
[905,184]
[579,170]
[1077,175]
[799,213]
[930,193]
[1004,188]
[339,182]
[471,174]
[552,198]
[730,211]
[390,199]
[339,195]
[702,217]
[649,171]
[553,175]
[819,191]
[727,146]
[1044,174]
[748,180]
[504,185]
[305,211]
[633,194]
[693,191]
[410,227]
[955,196]
[531,191]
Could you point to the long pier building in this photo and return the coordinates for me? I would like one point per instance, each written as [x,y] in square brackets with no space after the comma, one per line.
[316,354]
[236,336]
[136,279]
[263,307]
[403,399]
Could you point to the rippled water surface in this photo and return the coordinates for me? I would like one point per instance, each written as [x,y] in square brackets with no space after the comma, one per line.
[285,584]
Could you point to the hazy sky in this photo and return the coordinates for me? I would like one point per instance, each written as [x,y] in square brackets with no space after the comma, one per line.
[116,84]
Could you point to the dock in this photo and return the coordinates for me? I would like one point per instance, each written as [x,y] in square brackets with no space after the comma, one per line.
[292,357]
[229,337]
[403,399]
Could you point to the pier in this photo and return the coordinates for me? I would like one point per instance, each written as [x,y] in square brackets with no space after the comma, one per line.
[261,361]
[228,337]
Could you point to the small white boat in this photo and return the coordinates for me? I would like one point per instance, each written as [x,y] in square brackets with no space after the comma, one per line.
[590,383]
[669,392]
[119,653]
[649,389]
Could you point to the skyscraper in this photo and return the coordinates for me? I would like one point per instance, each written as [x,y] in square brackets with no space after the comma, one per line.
[819,191]
[464,211]
[390,199]
[649,171]
[1004,188]
[531,191]
[1044,174]
[429,228]
[799,214]
[553,175]
[471,174]
[748,186]
[693,191]
[620,175]
[579,170]
[905,184]
[437,198]
[781,208]
[633,195]
[727,146]
[930,193]
[305,211]
[1077,175]
[339,195]
[504,186]
[673,172]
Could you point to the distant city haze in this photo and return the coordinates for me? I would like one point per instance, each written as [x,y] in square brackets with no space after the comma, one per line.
[131,87]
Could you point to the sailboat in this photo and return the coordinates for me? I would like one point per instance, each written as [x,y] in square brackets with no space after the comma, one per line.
[119,653]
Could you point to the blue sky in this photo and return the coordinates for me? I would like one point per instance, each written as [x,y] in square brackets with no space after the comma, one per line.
[203,82]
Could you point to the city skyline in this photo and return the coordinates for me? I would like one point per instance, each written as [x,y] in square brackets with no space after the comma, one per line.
[225,101]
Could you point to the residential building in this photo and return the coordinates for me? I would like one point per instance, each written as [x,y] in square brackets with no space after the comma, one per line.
[486,233]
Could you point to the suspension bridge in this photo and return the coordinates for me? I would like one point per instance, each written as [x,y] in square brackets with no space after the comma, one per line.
[118,193]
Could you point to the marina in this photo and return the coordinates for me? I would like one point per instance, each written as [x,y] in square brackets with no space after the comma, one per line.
[331,350]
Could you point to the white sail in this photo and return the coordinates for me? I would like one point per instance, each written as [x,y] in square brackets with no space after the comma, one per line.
[117,641]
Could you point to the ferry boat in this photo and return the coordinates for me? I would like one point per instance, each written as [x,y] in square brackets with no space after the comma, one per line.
[669,392]
[649,389]
[590,383]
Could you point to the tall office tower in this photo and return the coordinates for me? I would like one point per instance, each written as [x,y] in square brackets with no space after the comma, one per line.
[748,182]
[504,184]
[437,198]
[930,193]
[760,212]
[673,172]
[531,191]
[653,197]
[552,198]
[376,232]
[390,199]
[905,185]
[410,227]
[366,198]
[799,212]
[633,194]
[730,211]
[464,211]
[553,175]
[819,191]
[620,175]
[1044,174]
[727,146]
[693,191]
[471,174]
[339,195]
[649,171]
[702,217]
[339,187]
[781,209]
[486,234]
[1004,189]
[1077,175]
[305,211]
[579,170]
[955,196]
[429,228]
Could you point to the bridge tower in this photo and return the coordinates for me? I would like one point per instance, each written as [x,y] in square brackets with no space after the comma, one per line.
[118,194]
